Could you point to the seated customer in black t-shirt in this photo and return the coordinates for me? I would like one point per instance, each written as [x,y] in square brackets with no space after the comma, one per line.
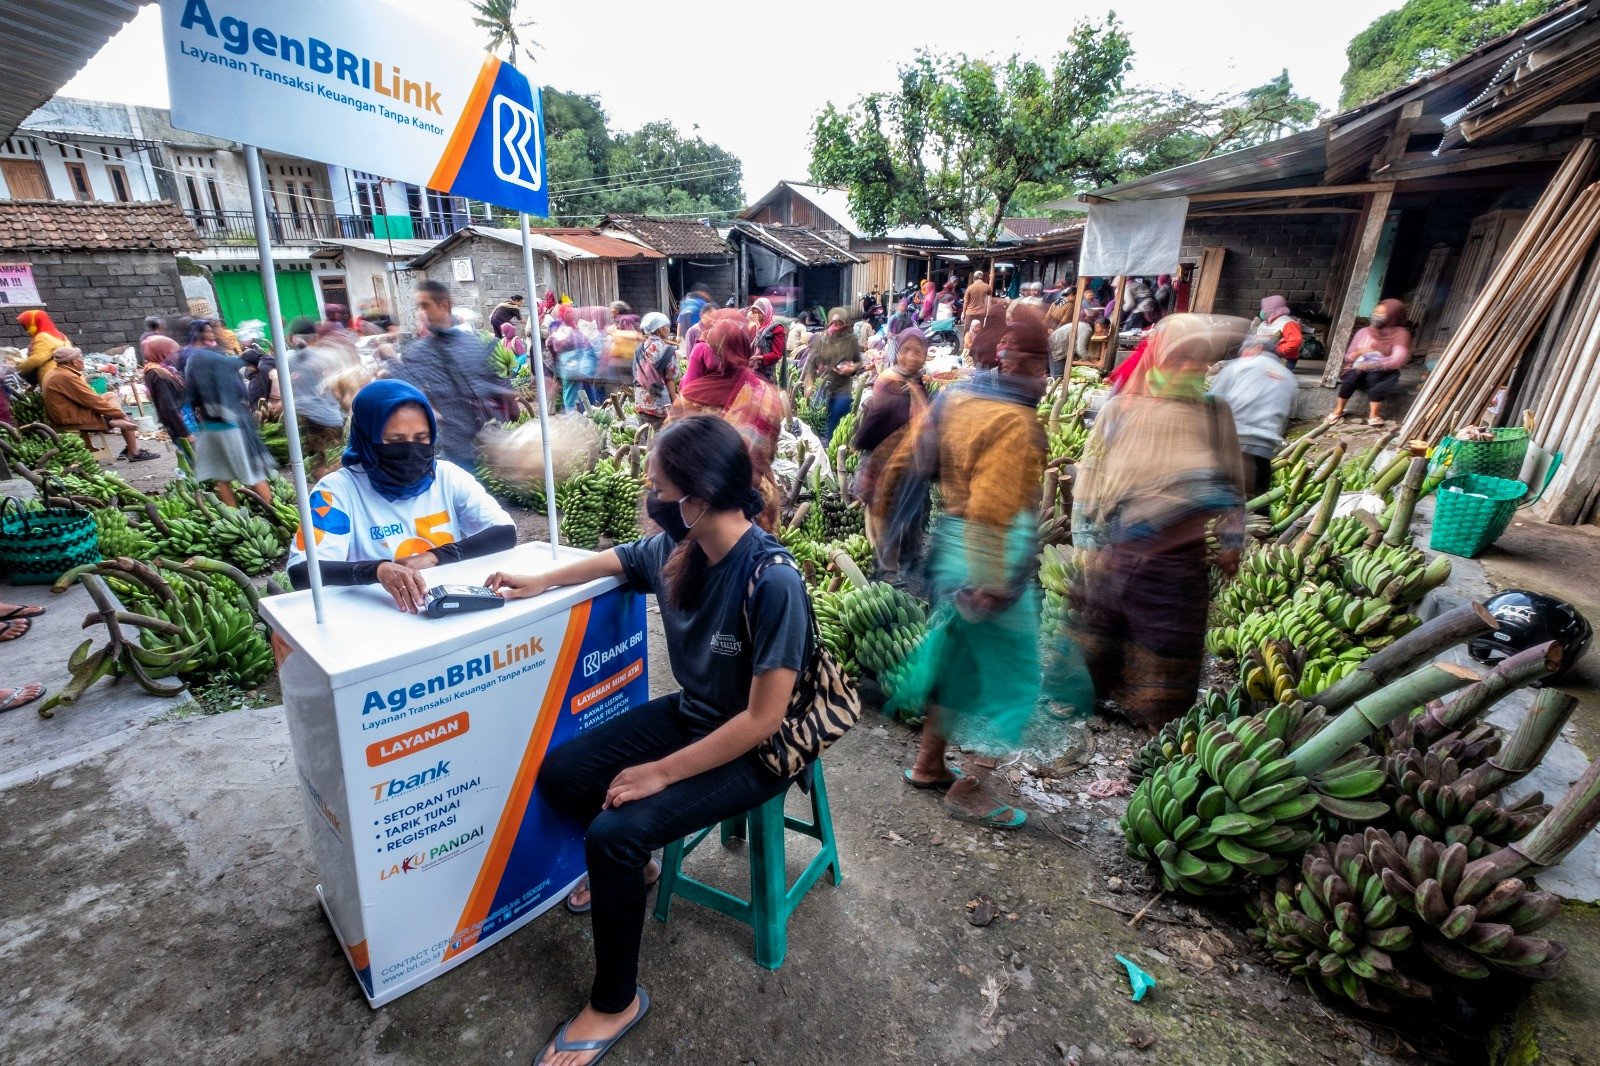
[684,761]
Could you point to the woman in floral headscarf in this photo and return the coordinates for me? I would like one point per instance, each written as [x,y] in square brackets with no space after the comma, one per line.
[39,362]
[1161,466]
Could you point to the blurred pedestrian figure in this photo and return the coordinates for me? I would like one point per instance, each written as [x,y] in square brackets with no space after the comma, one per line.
[927,298]
[726,386]
[1144,312]
[902,319]
[891,420]
[983,342]
[1161,465]
[567,348]
[316,409]
[768,338]
[451,367]
[835,361]
[974,303]
[261,379]
[168,391]
[622,340]
[1260,392]
[1276,327]
[507,310]
[1164,294]
[1372,362]
[655,370]
[72,405]
[227,339]
[227,447]
[693,305]
[45,338]
[977,674]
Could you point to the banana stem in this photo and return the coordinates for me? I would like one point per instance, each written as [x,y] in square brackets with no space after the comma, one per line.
[1527,746]
[1376,711]
[1410,489]
[1391,474]
[1563,829]
[847,566]
[1405,654]
[1266,499]
[1509,674]
[1324,513]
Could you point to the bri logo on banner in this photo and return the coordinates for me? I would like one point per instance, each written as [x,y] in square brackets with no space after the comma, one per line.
[516,128]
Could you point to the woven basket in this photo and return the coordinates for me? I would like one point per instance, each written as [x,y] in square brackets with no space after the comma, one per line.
[36,547]
[1501,457]
[1471,511]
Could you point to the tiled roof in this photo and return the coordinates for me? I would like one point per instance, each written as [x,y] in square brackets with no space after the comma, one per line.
[681,237]
[803,246]
[70,226]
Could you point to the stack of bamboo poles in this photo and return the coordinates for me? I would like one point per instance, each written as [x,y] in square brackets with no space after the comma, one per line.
[1509,313]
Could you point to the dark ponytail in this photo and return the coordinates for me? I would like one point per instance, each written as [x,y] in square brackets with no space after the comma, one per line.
[703,457]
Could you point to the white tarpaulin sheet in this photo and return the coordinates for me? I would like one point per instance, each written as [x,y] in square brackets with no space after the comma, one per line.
[1137,238]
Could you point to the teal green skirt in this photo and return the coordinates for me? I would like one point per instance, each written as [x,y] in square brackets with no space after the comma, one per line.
[979,679]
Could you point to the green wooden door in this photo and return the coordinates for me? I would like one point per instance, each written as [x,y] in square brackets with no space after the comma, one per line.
[240,299]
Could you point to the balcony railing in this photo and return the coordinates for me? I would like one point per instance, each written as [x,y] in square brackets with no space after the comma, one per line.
[238,228]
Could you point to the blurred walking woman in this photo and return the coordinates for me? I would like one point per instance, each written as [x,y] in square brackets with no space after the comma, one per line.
[686,760]
[1162,463]
[977,674]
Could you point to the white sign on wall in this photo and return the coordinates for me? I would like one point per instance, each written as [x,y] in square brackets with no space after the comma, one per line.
[17,287]
[462,266]
[362,85]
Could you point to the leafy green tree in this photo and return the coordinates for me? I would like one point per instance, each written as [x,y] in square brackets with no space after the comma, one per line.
[953,144]
[1424,35]
[658,170]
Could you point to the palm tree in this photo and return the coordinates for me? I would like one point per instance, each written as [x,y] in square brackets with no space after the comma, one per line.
[499,19]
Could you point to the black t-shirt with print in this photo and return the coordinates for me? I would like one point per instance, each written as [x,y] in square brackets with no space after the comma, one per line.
[713,656]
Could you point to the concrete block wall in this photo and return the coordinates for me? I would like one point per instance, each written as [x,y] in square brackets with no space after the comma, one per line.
[496,273]
[100,299]
[1287,254]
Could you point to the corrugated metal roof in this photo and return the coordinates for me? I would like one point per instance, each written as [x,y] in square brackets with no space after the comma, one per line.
[670,236]
[46,42]
[796,243]
[835,203]
[400,248]
[591,242]
[1282,162]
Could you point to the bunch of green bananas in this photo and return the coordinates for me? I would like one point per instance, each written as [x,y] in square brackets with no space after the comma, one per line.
[118,537]
[1277,671]
[175,503]
[878,605]
[1398,573]
[1266,576]
[621,491]
[804,549]
[276,438]
[858,548]
[883,650]
[1237,807]
[28,408]
[220,626]
[247,540]
[830,621]
[1325,670]
[1059,568]
[97,484]
[1336,927]
[841,518]
[1316,619]
[845,430]
[1345,534]
[582,502]
[1177,738]
[529,496]
[184,537]
[1067,439]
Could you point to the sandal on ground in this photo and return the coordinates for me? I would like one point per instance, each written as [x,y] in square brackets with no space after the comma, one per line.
[1376,423]
[558,1042]
[1002,817]
[26,610]
[12,698]
[941,785]
[1334,420]
[649,883]
[13,629]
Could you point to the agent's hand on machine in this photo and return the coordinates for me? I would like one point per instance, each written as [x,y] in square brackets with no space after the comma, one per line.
[405,584]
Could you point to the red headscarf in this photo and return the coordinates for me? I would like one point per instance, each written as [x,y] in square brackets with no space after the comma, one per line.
[36,321]
[732,346]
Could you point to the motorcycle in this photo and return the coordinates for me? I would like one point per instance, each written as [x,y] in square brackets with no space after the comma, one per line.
[944,333]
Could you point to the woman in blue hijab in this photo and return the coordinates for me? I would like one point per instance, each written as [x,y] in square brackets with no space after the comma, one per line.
[394,509]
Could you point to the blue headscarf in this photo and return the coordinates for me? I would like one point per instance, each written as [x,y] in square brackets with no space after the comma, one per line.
[369,413]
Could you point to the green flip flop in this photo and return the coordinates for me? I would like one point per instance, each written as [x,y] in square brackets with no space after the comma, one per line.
[1004,816]
[942,785]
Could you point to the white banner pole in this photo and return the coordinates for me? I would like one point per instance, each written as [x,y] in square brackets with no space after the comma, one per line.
[269,287]
[536,363]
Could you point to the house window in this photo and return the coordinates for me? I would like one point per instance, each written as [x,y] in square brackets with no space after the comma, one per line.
[119,184]
[194,193]
[78,178]
[311,198]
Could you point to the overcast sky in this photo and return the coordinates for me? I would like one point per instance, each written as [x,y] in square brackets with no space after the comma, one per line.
[752,75]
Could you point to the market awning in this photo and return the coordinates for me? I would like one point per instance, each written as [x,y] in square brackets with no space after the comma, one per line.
[796,244]
[46,43]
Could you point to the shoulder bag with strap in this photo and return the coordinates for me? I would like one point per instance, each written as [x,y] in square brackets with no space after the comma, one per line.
[824,703]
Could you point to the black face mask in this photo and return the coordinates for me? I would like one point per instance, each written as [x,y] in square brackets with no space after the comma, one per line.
[405,463]
[669,516]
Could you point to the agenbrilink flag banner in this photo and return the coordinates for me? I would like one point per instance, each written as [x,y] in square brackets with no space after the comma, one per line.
[362,85]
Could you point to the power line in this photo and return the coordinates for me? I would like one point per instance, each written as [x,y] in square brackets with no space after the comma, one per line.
[697,172]
[648,172]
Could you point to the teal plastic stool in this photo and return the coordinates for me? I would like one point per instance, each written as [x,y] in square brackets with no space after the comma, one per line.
[771,900]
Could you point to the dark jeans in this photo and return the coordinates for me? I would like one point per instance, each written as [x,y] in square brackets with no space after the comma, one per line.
[1257,474]
[1379,385]
[619,841]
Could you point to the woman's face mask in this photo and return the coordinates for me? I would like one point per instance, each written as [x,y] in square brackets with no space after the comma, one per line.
[668,514]
[405,462]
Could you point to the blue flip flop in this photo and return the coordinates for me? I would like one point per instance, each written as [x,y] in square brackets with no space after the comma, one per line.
[558,1040]
[1004,816]
[955,775]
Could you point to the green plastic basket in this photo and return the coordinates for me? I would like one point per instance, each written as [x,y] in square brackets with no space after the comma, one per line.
[1501,457]
[1471,511]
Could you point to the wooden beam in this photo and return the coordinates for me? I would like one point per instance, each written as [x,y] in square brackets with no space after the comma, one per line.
[1377,209]
[1273,194]
[1277,211]
[1427,164]
[1395,147]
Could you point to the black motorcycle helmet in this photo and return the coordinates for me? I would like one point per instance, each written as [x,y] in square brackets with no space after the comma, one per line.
[1528,619]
